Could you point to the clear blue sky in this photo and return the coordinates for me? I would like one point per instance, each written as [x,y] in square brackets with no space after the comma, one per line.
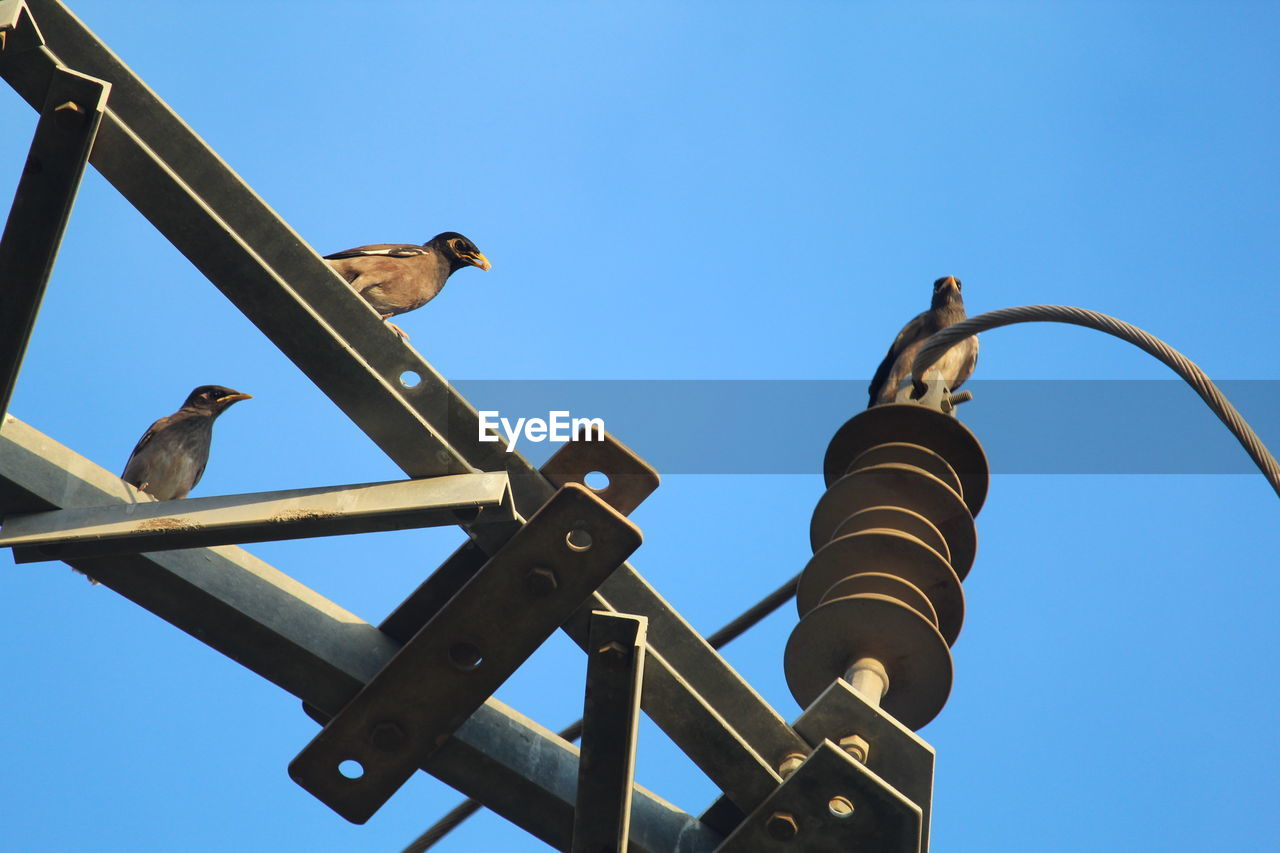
[698,191]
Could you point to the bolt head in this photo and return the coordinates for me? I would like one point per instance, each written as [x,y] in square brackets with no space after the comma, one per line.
[541,581]
[857,746]
[782,826]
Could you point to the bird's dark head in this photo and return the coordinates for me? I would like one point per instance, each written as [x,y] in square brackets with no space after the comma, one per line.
[946,290]
[213,398]
[458,250]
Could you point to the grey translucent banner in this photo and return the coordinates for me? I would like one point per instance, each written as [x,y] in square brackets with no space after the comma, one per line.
[783,426]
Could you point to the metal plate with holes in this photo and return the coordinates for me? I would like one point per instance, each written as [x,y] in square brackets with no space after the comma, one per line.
[906,486]
[630,478]
[831,804]
[472,645]
[917,424]
[893,553]
[895,753]
[836,633]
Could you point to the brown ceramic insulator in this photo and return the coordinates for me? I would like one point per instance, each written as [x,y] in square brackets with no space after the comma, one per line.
[888,552]
[895,518]
[882,584]
[837,633]
[914,424]
[906,486]
[909,454]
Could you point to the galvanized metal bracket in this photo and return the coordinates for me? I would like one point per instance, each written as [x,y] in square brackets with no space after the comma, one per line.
[892,751]
[631,480]
[68,125]
[261,517]
[830,804]
[610,718]
[460,657]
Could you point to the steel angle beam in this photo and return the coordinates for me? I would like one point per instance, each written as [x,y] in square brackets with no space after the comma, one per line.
[319,652]
[261,517]
[893,752]
[610,714]
[73,109]
[485,632]
[831,804]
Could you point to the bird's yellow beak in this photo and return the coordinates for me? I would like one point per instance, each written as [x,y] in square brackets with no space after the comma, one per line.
[480,260]
[235,398]
[951,282]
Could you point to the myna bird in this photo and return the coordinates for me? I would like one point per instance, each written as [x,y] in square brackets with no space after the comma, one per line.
[399,277]
[171,455]
[956,365]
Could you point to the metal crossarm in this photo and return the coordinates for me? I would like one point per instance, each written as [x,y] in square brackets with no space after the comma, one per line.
[312,648]
[422,423]
[265,516]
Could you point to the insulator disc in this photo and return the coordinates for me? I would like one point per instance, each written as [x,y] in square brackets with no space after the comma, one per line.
[892,553]
[882,584]
[839,632]
[916,424]
[895,518]
[909,454]
[906,486]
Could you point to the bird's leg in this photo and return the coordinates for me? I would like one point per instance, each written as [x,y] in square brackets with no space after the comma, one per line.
[399,331]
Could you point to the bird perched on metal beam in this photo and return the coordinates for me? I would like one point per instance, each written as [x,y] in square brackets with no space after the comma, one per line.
[170,457]
[399,277]
[956,365]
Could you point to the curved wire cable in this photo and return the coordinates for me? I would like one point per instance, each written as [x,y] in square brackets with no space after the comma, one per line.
[456,816]
[945,339]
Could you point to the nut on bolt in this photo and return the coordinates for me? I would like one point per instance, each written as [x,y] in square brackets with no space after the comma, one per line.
[856,746]
[69,113]
[782,826]
[541,581]
[790,764]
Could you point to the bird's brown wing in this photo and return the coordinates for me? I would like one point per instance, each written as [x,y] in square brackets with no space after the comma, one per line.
[376,250]
[909,333]
[970,362]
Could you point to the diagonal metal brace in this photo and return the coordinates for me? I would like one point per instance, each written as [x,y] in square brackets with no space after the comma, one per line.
[261,517]
[64,135]
[831,804]
[467,650]
[610,714]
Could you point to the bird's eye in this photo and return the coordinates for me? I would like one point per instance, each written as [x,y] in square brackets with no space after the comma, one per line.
[457,247]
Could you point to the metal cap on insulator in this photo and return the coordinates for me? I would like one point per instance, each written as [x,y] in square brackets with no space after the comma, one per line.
[912,423]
